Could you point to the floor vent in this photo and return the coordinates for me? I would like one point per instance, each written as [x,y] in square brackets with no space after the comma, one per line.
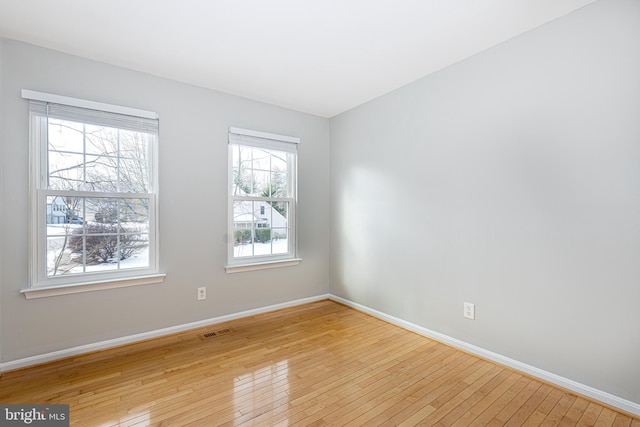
[213,334]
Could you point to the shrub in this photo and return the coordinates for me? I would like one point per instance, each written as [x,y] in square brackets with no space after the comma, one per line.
[242,235]
[106,215]
[101,242]
[263,234]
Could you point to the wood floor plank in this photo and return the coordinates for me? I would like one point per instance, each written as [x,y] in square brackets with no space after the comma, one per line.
[574,413]
[316,364]
[621,421]
[558,411]
[606,418]
[500,403]
[542,411]
[590,415]
[479,407]
[526,409]
[463,408]
[518,402]
[449,401]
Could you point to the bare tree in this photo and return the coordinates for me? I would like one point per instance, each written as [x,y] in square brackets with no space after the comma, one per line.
[87,157]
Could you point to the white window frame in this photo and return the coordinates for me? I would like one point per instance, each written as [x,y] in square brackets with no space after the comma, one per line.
[247,137]
[42,285]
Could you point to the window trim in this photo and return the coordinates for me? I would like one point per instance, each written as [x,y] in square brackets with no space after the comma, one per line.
[41,285]
[263,265]
[259,139]
[75,288]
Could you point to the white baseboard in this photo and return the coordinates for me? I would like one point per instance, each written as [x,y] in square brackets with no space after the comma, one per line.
[88,348]
[599,395]
[584,390]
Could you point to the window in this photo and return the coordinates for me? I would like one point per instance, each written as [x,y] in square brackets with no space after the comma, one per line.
[262,200]
[93,193]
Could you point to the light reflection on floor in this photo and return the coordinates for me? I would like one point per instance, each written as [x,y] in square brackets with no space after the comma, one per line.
[262,390]
[140,419]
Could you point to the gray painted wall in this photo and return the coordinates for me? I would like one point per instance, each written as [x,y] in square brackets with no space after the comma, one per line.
[510,180]
[192,206]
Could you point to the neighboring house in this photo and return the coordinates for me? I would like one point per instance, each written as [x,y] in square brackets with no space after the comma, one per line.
[263,216]
[57,211]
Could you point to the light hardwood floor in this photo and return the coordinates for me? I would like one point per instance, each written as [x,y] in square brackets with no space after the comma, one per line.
[311,365]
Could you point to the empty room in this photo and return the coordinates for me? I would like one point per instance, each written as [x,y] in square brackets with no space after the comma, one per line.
[312,213]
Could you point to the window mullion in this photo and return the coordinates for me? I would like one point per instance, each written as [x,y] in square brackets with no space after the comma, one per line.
[84,241]
[84,157]
[43,131]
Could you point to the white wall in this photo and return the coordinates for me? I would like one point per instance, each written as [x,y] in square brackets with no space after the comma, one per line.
[510,180]
[192,208]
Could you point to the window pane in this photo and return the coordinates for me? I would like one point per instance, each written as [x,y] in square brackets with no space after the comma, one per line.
[101,173]
[65,221]
[60,258]
[235,156]
[279,186]
[97,158]
[135,145]
[64,210]
[242,182]
[260,228]
[134,223]
[99,242]
[134,249]
[279,174]
[241,159]
[96,234]
[115,246]
[65,136]
[133,176]
[279,161]
[66,170]
[243,223]
[280,214]
[101,140]
[134,161]
[101,209]
[101,250]
[261,159]
[261,181]
[134,213]
[259,172]
[280,240]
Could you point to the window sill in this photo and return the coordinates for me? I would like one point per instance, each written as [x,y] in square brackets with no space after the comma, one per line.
[53,291]
[262,265]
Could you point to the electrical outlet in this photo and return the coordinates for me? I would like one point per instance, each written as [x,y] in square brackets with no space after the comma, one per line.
[469,311]
[202,293]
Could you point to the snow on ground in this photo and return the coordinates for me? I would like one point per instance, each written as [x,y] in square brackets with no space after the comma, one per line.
[279,246]
[55,242]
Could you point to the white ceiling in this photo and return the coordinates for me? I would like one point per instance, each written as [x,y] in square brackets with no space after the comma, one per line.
[317,56]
